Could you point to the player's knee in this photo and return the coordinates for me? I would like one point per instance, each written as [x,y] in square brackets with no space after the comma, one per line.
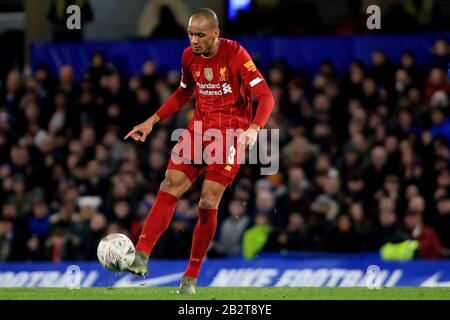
[208,200]
[171,185]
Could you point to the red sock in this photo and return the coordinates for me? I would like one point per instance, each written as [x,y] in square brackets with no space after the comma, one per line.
[203,234]
[157,221]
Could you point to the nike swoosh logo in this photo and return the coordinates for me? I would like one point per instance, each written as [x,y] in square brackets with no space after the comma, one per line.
[152,282]
[433,281]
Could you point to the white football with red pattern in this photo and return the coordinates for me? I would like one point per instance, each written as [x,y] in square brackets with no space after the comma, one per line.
[116,252]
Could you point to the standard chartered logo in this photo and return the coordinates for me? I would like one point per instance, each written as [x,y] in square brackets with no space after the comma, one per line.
[214,89]
[226,88]
[208,85]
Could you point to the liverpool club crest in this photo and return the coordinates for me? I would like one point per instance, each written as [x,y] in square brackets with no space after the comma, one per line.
[223,74]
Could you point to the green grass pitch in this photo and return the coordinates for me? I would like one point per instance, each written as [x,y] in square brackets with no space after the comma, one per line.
[220,293]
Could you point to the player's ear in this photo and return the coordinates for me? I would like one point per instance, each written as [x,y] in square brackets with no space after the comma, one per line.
[216,32]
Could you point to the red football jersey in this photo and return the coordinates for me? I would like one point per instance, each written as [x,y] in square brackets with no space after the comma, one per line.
[222,86]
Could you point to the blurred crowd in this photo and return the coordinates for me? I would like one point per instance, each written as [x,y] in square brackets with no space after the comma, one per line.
[363,162]
[291,17]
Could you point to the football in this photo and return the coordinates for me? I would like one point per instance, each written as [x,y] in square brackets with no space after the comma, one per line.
[116,252]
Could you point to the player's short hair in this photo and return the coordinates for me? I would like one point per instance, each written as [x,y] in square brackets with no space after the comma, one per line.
[209,14]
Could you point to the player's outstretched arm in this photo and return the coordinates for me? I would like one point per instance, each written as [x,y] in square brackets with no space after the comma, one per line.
[175,102]
[172,105]
[141,131]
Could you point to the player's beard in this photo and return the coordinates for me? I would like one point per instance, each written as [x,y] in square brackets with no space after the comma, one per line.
[197,53]
[203,52]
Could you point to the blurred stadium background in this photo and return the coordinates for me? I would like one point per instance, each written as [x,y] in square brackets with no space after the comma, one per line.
[364,142]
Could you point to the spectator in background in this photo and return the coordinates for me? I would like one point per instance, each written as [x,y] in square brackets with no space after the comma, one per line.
[65,217]
[441,223]
[417,204]
[362,224]
[403,83]
[154,169]
[390,189]
[147,102]
[14,92]
[436,82]
[343,237]
[98,69]
[295,198]
[12,245]
[409,64]
[19,196]
[67,83]
[255,238]
[88,246]
[38,227]
[20,222]
[323,211]
[61,247]
[440,124]
[296,236]
[355,189]
[39,222]
[122,214]
[81,226]
[44,79]
[57,16]
[6,239]
[59,117]
[387,227]
[382,69]
[264,202]
[352,86]
[376,171]
[231,231]
[429,244]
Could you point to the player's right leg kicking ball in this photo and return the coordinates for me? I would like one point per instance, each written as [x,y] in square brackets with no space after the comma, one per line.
[158,219]
[156,223]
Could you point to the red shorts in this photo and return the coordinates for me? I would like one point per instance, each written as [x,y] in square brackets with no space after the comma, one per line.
[218,158]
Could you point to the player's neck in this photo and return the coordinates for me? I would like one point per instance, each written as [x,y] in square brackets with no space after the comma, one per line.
[214,50]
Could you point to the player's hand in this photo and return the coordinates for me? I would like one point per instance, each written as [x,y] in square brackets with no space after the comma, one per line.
[249,136]
[141,131]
